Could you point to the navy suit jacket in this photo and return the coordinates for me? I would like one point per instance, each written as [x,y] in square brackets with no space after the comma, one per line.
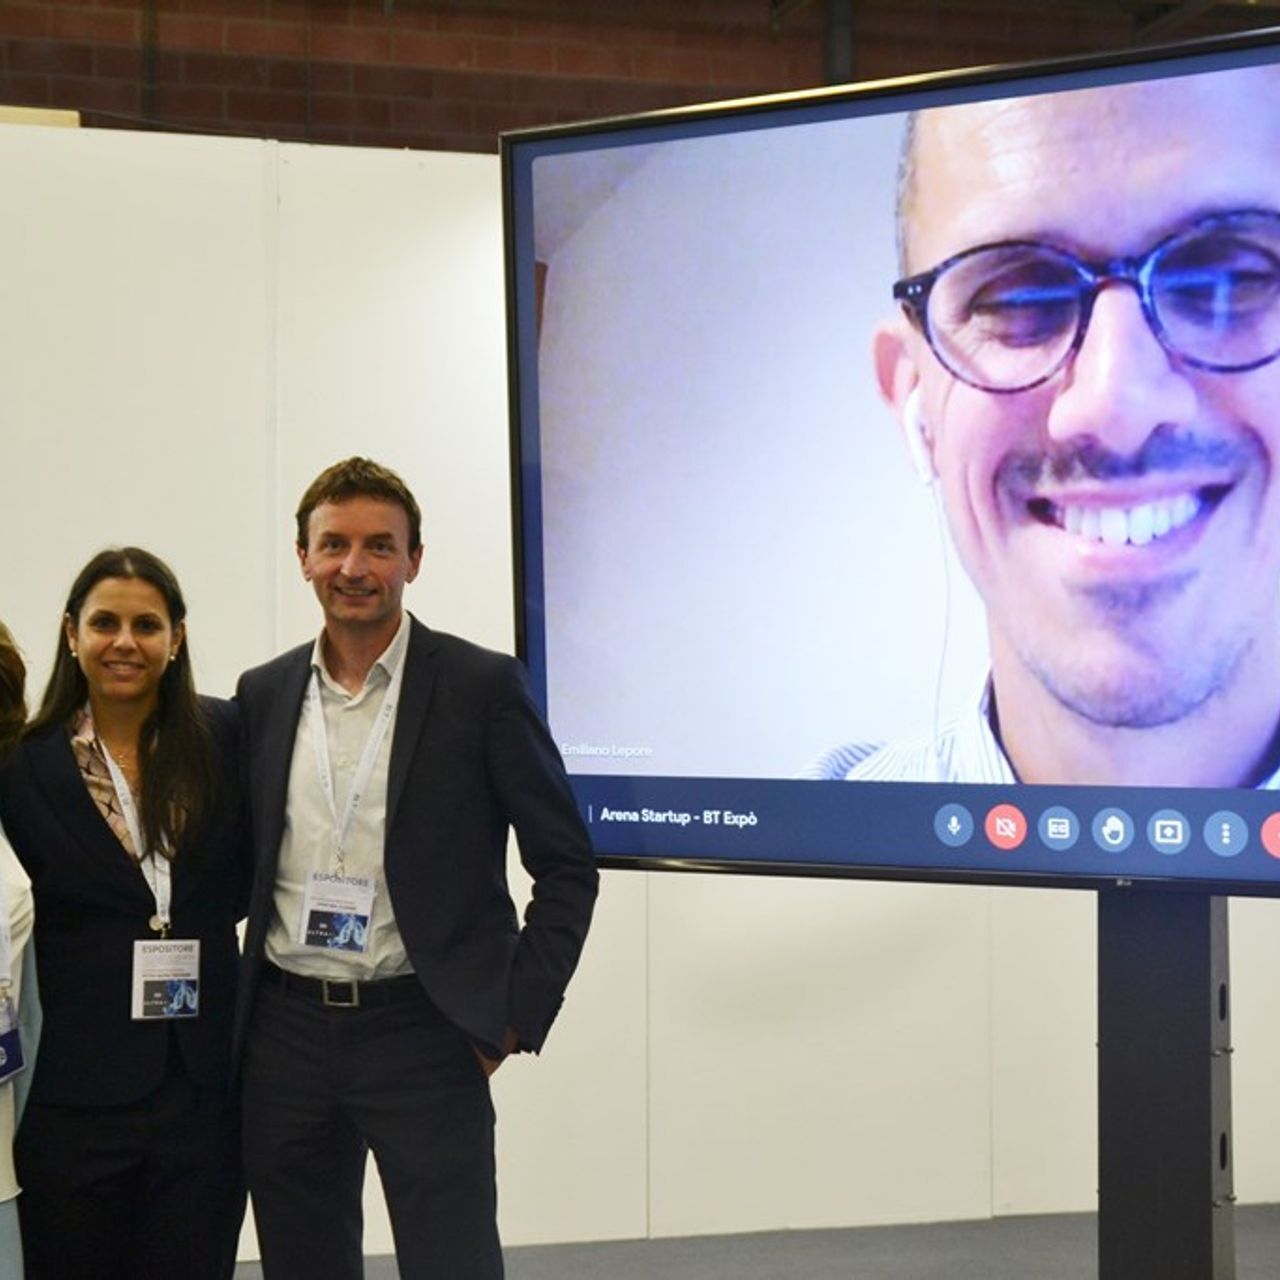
[92,903]
[470,759]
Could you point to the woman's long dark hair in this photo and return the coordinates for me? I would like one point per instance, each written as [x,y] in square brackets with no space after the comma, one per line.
[175,750]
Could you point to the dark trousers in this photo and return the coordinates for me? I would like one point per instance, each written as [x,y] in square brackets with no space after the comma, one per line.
[151,1190]
[322,1088]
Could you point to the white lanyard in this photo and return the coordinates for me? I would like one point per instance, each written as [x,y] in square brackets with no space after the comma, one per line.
[6,943]
[364,770]
[155,866]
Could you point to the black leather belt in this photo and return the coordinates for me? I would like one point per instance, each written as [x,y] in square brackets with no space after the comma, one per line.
[339,993]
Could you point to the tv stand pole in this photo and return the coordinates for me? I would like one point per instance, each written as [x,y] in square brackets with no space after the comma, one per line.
[1165,1202]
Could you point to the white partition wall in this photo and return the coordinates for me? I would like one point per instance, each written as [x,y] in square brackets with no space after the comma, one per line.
[190,328]
[136,362]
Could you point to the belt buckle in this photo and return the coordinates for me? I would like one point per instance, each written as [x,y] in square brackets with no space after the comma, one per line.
[332,989]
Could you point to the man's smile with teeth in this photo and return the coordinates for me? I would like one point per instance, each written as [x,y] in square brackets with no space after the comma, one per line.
[1136,524]
[1114,500]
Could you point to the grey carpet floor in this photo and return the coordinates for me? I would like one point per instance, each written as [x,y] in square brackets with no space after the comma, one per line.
[1050,1247]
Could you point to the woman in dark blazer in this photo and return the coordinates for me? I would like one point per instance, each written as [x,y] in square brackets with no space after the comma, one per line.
[122,805]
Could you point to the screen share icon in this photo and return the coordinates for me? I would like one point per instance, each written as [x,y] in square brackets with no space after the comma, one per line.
[1168,831]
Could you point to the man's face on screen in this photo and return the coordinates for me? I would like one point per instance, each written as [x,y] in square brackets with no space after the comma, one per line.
[1122,520]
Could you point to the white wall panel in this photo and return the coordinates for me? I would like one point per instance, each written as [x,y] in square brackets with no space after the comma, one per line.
[572,1125]
[134,362]
[820,1053]
[1255,1035]
[1043,1051]
[391,344]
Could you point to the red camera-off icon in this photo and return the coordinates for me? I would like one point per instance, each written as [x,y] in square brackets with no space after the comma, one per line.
[1271,834]
[1006,826]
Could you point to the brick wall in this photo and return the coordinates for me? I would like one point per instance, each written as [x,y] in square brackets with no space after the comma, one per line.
[451,75]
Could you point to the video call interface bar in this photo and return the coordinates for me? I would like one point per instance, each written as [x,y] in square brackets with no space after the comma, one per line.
[1070,833]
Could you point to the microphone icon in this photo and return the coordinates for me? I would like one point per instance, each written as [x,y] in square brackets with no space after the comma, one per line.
[953,825]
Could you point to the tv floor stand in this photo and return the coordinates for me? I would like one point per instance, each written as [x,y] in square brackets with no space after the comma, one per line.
[1165,1202]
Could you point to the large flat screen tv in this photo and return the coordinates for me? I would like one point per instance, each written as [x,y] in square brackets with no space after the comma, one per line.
[897,472]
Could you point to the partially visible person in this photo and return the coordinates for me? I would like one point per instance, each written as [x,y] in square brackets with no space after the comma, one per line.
[1086,364]
[122,805]
[19,1005]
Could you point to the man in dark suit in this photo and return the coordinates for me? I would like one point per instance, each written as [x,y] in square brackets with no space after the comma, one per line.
[386,973]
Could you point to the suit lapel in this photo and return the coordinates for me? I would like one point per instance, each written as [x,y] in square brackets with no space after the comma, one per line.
[411,714]
[54,769]
[271,764]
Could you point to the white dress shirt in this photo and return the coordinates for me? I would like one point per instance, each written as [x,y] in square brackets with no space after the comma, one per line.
[964,749]
[308,843]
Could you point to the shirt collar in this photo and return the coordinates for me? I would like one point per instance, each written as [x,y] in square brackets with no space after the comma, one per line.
[387,663]
[990,758]
[983,737]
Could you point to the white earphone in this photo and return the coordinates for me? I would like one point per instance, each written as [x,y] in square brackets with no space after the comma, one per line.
[917,441]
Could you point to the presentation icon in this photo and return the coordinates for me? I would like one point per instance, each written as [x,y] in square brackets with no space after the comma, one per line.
[1112,830]
[1226,833]
[1006,826]
[1059,828]
[953,825]
[1168,831]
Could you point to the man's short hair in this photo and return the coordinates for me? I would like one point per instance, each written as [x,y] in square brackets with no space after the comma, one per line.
[359,478]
